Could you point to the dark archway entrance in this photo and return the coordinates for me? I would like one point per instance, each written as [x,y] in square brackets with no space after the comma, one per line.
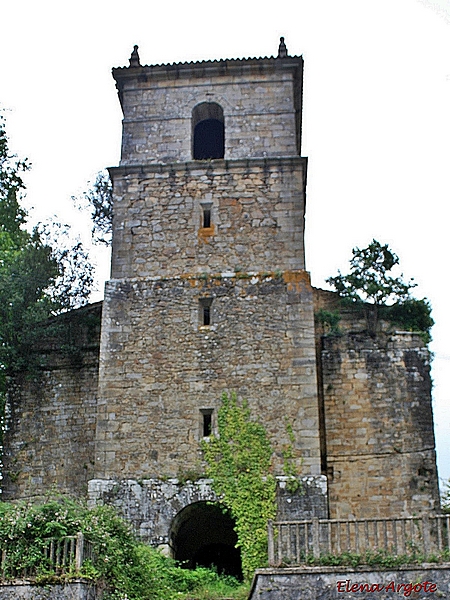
[202,535]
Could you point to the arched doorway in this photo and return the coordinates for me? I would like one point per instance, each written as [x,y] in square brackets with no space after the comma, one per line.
[203,535]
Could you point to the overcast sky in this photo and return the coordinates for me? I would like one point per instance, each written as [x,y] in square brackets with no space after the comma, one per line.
[376,118]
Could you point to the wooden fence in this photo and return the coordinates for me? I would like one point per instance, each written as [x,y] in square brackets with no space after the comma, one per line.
[58,556]
[296,542]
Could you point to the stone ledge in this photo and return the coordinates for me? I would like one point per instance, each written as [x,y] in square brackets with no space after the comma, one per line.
[321,583]
[208,165]
[77,589]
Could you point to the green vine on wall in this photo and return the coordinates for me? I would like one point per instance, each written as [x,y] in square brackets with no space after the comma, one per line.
[239,462]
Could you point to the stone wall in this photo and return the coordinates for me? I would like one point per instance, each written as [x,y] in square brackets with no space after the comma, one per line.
[151,505]
[257,217]
[51,412]
[25,590]
[329,583]
[161,367]
[377,421]
[309,501]
[261,101]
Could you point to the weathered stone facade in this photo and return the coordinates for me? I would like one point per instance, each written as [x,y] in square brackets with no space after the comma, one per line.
[209,293]
[222,238]
[154,384]
[261,100]
[51,411]
[257,216]
[137,499]
[377,419]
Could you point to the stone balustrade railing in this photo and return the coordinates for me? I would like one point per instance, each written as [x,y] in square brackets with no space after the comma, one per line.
[299,542]
[59,556]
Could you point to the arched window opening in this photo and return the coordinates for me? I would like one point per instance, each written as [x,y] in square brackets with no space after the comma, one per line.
[208,131]
[201,535]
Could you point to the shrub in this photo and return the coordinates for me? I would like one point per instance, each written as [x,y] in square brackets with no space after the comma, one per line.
[124,568]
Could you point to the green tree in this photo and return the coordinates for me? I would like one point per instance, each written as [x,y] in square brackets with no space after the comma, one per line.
[41,274]
[239,462]
[372,285]
[98,200]
[445,498]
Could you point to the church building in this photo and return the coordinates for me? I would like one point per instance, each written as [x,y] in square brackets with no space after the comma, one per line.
[209,293]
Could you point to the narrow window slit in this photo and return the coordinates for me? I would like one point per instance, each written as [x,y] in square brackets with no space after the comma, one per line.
[206,217]
[205,311]
[206,423]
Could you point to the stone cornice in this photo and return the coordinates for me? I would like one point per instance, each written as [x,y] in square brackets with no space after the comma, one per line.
[207,68]
[210,165]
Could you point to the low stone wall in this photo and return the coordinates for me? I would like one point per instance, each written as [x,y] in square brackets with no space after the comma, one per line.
[25,590]
[329,583]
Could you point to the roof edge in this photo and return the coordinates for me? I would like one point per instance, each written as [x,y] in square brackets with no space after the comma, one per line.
[205,67]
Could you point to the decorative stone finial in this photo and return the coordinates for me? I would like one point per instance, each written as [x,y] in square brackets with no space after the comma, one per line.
[134,58]
[282,50]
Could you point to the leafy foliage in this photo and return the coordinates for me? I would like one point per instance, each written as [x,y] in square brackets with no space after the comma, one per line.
[74,282]
[98,200]
[12,216]
[411,315]
[41,274]
[239,462]
[445,498]
[371,285]
[369,279]
[123,567]
[379,558]
[329,320]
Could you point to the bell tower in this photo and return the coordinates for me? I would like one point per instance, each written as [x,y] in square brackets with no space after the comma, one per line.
[208,289]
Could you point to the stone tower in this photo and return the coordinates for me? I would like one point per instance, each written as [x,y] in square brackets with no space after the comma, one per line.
[208,289]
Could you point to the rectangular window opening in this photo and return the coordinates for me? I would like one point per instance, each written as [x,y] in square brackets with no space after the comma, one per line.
[206,217]
[205,311]
[206,424]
